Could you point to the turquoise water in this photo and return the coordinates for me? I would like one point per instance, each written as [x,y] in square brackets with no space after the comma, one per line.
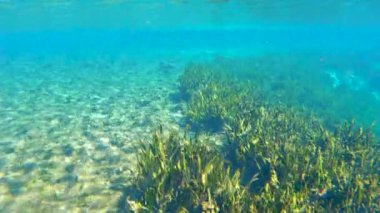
[82,83]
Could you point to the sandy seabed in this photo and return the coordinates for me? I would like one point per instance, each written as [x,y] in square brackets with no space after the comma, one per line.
[69,128]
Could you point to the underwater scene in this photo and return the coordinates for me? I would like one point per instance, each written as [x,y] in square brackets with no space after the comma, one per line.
[189,106]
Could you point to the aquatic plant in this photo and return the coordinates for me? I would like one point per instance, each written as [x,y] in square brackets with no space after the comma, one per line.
[212,105]
[274,158]
[212,97]
[302,166]
[328,171]
[303,81]
[182,174]
[194,77]
[297,163]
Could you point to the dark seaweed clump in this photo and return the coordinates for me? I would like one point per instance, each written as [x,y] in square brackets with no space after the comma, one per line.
[273,158]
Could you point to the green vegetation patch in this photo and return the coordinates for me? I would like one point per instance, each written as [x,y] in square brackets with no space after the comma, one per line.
[273,158]
[213,97]
[181,174]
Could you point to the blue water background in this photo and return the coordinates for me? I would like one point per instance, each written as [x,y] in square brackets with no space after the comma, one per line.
[113,27]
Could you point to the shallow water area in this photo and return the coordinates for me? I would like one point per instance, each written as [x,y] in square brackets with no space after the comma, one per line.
[68,132]
[84,84]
